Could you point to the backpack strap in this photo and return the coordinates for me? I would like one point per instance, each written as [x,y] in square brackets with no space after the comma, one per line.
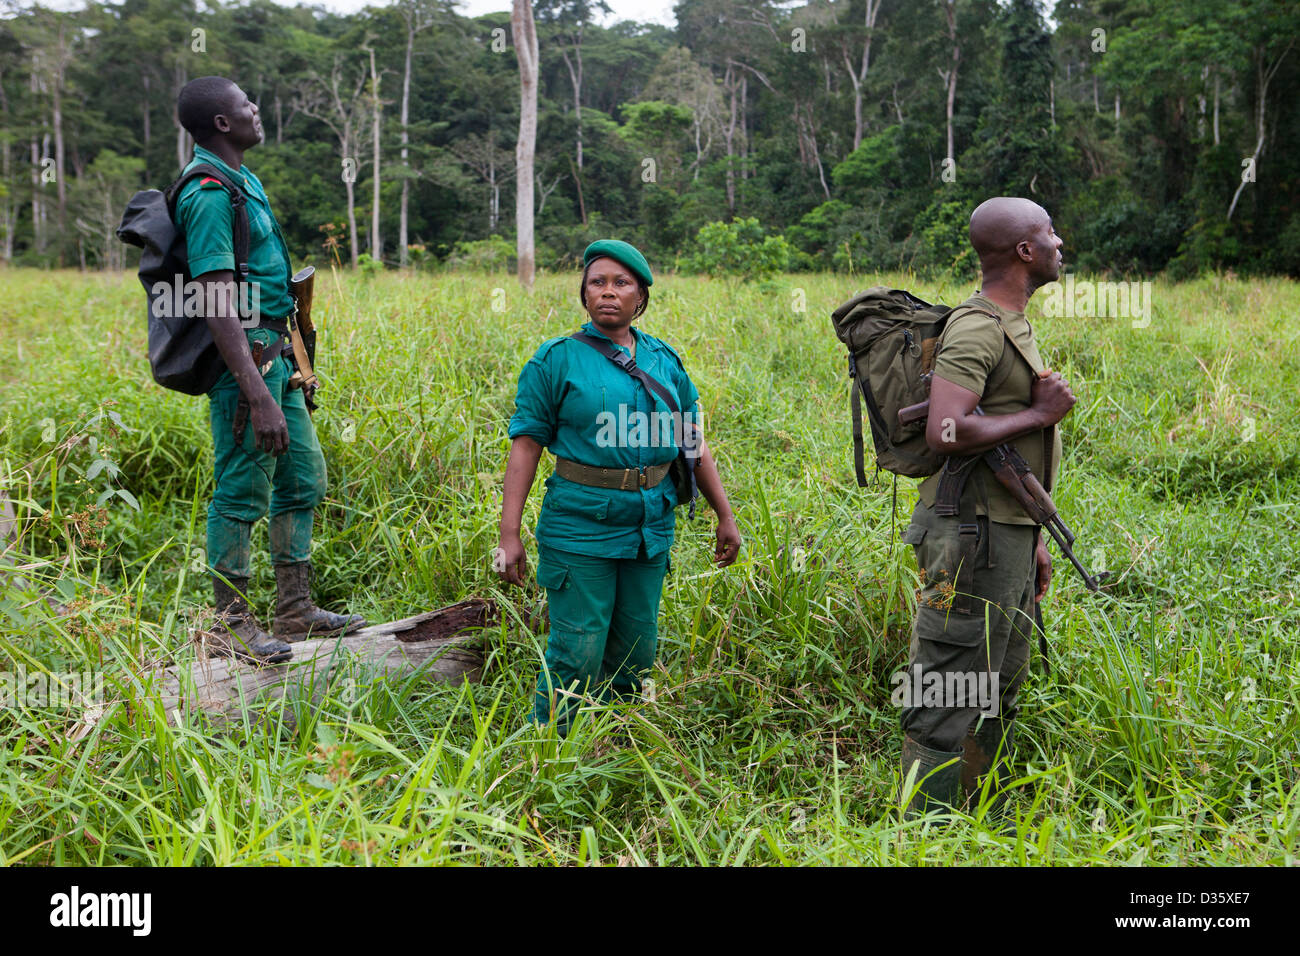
[1049,433]
[238,209]
[856,394]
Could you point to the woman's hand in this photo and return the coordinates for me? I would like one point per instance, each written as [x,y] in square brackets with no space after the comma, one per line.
[710,484]
[728,536]
[510,560]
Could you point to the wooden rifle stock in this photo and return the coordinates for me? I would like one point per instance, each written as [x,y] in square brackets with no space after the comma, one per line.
[302,332]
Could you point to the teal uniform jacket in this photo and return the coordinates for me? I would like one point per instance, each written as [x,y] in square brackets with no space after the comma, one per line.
[581,406]
[203,212]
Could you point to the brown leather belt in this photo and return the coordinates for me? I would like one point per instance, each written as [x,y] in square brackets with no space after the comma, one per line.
[623,479]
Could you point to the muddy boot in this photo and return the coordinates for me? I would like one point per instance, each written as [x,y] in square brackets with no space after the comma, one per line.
[296,617]
[938,778]
[987,753]
[237,626]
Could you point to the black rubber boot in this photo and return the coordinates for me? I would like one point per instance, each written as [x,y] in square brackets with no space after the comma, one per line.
[938,778]
[237,623]
[987,751]
[296,617]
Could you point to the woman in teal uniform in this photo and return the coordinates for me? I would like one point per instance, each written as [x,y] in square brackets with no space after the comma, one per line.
[607,519]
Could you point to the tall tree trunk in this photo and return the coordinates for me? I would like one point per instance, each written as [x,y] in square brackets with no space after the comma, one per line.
[376,245]
[744,126]
[182,137]
[353,252]
[61,192]
[9,201]
[577,182]
[36,195]
[10,219]
[494,188]
[859,77]
[525,37]
[1216,108]
[949,75]
[729,137]
[575,80]
[148,129]
[403,255]
[1263,76]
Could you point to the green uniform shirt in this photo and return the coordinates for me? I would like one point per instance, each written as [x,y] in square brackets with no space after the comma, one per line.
[973,352]
[203,213]
[581,406]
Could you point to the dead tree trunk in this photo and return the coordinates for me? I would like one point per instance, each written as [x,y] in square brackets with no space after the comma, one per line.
[439,645]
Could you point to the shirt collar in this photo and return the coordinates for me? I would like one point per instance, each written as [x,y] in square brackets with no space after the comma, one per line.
[591,328]
[208,156]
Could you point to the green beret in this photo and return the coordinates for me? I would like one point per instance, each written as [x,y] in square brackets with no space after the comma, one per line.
[625,254]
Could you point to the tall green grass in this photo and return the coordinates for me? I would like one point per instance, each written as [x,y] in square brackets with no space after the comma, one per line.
[1165,735]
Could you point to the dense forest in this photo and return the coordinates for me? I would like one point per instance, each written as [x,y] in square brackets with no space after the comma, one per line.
[1162,135]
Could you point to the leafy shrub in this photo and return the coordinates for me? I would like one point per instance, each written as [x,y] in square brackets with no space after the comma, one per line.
[738,248]
[369,266]
[493,254]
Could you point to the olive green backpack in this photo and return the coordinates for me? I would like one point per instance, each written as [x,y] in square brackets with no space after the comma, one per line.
[891,335]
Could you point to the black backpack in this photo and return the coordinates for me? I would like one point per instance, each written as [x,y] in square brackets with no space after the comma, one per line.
[182,354]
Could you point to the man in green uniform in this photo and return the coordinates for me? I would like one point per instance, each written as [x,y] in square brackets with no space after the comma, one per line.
[603,546]
[983,565]
[273,462]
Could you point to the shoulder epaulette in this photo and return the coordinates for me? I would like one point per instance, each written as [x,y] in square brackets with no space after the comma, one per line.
[661,344]
[545,348]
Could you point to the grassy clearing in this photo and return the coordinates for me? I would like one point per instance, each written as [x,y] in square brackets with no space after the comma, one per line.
[1166,735]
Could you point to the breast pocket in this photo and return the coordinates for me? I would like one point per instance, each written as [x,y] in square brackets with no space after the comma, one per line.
[259,223]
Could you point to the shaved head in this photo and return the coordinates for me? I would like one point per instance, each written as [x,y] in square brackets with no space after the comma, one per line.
[1016,245]
[998,225]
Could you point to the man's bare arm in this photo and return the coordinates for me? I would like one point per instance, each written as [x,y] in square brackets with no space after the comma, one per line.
[953,428]
[270,432]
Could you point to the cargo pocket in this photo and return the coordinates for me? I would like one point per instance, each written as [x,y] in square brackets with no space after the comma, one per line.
[551,574]
[938,559]
[576,500]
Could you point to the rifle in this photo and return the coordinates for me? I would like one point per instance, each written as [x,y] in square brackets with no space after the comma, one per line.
[1014,474]
[302,332]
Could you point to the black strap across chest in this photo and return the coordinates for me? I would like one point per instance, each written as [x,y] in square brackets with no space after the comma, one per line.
[628,364]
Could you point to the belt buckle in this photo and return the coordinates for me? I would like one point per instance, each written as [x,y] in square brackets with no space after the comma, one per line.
[641,477]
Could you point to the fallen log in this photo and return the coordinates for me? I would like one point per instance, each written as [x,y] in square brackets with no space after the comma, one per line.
[445,644]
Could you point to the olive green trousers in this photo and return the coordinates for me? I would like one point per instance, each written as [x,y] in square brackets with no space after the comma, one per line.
[962,665]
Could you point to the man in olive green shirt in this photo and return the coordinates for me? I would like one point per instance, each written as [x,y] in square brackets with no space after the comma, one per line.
[984,568]
[273,462]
